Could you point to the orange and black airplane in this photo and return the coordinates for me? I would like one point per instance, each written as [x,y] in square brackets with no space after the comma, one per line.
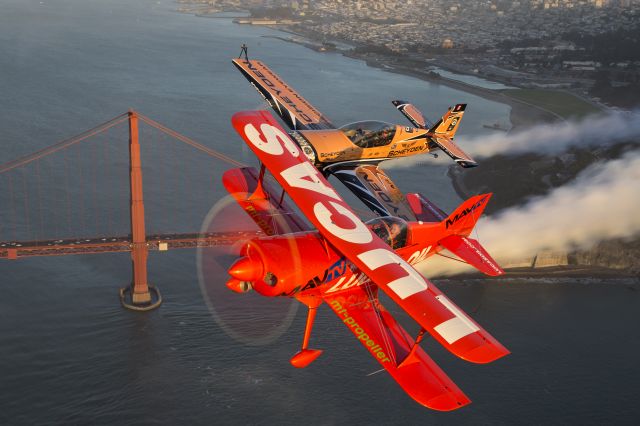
[352,152]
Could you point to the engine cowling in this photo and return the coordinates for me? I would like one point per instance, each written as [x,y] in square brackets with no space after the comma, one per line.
[277,265]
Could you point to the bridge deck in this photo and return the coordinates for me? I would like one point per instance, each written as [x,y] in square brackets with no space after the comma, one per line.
[160,242]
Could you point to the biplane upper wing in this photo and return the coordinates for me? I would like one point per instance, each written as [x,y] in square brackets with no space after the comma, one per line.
[360,310]
[340,226]
[375,189]
[285,101]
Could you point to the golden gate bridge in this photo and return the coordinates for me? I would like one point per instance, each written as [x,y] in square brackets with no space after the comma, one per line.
[72,196]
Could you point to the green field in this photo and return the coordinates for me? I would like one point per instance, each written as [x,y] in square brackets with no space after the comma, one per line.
[564,104]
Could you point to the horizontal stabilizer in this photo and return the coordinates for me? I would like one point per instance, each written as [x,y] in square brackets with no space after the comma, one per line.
[473,253]
[266,206]
[391,346]
[454,151]
[465,248]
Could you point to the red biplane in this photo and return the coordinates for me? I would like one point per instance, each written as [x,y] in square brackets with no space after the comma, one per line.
[344,262]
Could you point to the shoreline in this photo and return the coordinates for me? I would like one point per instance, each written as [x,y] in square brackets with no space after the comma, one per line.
[542,277]
[522,114]
[573,273]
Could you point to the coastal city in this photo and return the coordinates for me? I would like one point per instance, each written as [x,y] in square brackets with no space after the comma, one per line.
[587,46]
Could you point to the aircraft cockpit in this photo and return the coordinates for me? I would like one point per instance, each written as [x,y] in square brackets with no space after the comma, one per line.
[392,230]
[369,134]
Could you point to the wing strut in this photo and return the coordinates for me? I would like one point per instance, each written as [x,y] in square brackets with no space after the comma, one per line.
[416,344]
[263,169]
[371,291]
[260,195]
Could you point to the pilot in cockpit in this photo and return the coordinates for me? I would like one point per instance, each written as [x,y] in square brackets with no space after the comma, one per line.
[392,231]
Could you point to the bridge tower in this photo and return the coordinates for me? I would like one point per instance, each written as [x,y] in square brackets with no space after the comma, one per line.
[140,291]
[139,294]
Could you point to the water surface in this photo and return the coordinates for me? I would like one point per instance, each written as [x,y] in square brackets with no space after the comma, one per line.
[70,355]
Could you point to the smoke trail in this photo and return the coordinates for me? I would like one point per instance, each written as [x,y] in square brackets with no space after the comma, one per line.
[595,130]
[603,202]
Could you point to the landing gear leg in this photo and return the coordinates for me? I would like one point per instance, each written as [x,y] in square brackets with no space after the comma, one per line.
[306,356]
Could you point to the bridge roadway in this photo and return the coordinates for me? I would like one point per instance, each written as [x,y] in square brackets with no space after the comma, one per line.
[159,242]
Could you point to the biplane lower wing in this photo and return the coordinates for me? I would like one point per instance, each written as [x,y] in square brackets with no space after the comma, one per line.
[285,101]
[375,189]
[395,349]
[262,202]
[341,227]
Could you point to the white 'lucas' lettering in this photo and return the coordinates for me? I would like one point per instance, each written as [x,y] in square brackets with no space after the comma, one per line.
[359,234]
[305,176]
[273,136]
[405,286]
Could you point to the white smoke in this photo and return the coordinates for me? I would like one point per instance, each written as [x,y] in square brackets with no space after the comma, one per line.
[603,202]
[594,130]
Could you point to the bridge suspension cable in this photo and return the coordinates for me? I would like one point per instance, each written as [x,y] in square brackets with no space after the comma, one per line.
[35,196]
[189,141]
[63,144]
